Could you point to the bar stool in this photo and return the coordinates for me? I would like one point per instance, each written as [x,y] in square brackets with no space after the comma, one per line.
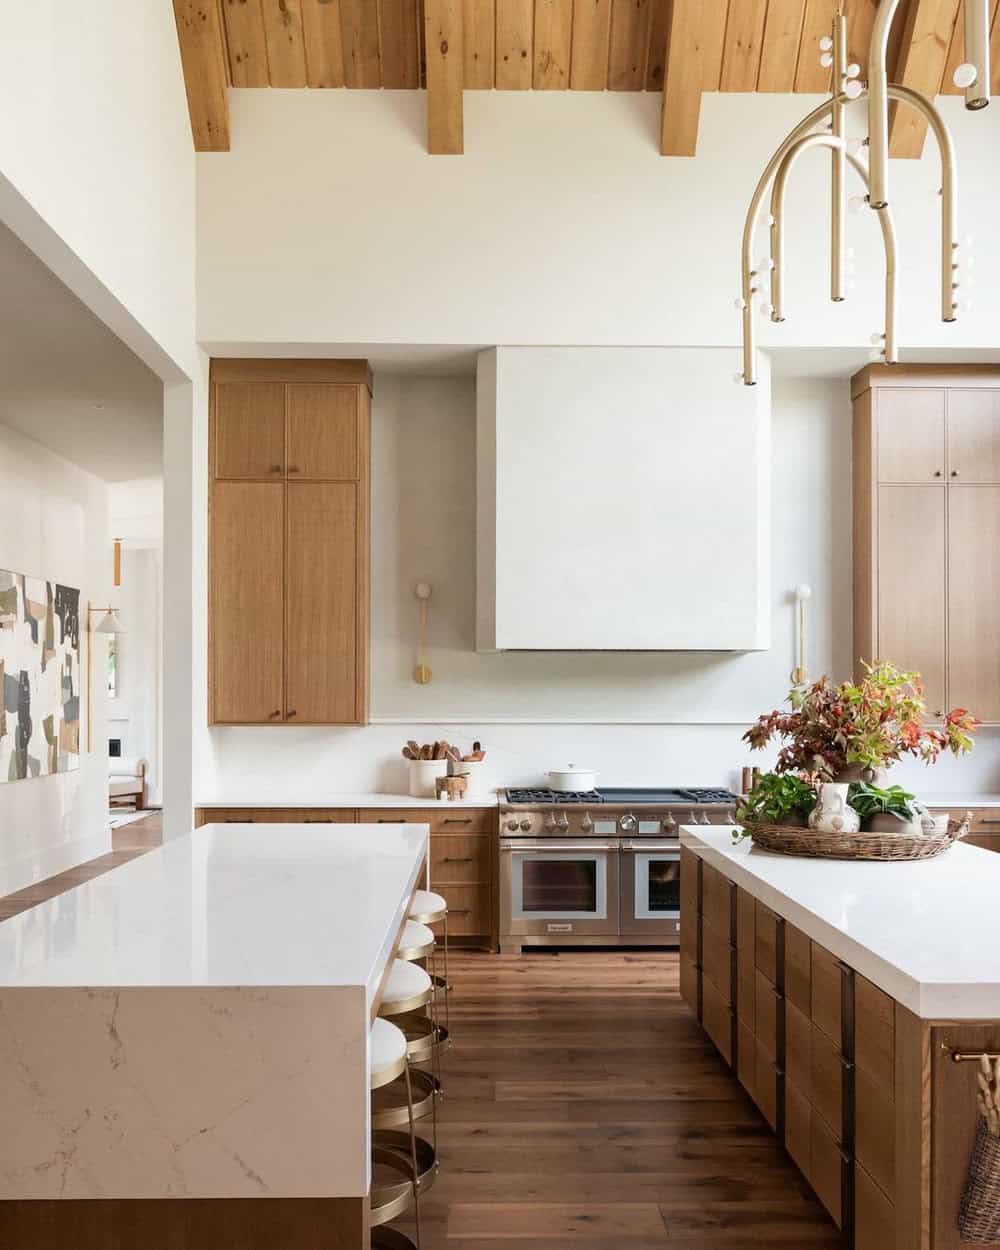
[428,908]
[400,1153]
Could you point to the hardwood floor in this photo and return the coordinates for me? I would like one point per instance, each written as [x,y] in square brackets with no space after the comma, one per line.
[584,1108]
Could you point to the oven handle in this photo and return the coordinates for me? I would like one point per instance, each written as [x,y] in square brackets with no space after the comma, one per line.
[523,844]
[658,848]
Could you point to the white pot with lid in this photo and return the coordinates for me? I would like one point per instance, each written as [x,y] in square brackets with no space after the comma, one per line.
[572,778]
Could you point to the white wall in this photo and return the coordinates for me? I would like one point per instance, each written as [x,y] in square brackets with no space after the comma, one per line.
[562,224]
[135,714]
[56,527]
[640,718]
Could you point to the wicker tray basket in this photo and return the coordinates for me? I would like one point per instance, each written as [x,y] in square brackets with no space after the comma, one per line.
[788,840]
[979,1214]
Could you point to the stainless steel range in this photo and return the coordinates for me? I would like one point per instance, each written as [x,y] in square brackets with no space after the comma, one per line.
[598,867]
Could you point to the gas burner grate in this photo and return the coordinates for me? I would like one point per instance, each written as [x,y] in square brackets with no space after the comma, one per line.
[554,796]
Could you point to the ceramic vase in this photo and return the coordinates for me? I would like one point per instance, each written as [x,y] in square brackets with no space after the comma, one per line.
[832,814]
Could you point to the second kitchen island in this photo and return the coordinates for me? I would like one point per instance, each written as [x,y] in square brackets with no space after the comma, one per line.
[852,1001]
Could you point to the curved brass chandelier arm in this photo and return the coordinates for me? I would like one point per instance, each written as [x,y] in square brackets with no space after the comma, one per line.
[878,104]
[949,192]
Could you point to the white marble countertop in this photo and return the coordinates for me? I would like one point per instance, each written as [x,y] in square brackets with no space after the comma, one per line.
[228,905]
[927,932]
[348,800]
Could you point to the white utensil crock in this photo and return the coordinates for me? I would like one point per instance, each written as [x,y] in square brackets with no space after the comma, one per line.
[423,774]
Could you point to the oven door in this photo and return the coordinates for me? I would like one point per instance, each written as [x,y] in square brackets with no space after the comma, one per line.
[651,889]
[558,889]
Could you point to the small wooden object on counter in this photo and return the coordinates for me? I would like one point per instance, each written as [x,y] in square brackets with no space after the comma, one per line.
[451,787]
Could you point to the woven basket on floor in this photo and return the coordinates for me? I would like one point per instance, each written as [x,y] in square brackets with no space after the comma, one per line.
[787,840]
[979,1213]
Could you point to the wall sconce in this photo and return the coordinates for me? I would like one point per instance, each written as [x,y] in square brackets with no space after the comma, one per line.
[108,624]
[802,594]
[422,673]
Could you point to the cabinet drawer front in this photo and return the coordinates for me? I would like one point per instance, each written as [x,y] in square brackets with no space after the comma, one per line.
[690,924]
[276,815]
[826,1080]
[798,1048]
[874,1215]
[717,1019]
[874,1032]
[826,993]
[875,1132]
[766,1088]
[469,909]
[689,883]
[689,981]
[461,858]
[825,1167]
[460,820]
[766,942]
[746,906]
[798,968]
[746,1059]
[766,1026]
[717,959]
[798,1125]
[717,901]
[746,989]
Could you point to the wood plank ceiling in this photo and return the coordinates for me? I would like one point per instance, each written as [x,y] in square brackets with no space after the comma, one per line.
[680,47]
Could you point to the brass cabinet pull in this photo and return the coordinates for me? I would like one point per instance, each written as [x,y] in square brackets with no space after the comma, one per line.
[954,473]
[275,468]
[937,473]
[455,859]
[458,820]
[276,712]
[390,820]
[460,911]
[292,712]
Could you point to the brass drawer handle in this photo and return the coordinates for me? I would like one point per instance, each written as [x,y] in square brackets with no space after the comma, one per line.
[458,820]
[275,468]
[460,911]
[390,820]
[294,468]
[292,712]
[272,715]
[458,859]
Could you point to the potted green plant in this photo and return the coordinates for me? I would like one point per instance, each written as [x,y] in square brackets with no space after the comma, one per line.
[777,799]
[885,810]
[855,731]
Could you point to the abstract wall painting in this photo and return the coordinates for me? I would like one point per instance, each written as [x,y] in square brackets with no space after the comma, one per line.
[39,677]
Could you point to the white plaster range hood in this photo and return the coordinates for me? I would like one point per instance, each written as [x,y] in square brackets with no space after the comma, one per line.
[623,501]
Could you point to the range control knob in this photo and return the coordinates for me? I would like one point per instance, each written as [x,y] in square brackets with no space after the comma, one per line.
[587,824]
[563,821]
[526,825]
[627,823]
[512,826]
[669,824]
[550,821]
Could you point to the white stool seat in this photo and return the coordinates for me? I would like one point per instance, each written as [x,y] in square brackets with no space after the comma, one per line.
[387,1045]
[426,904]
[405,982]
[415,942]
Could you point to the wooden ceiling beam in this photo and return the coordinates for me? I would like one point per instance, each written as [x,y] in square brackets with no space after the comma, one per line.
[683,78]
[923,55]
[445,75]
[201,36]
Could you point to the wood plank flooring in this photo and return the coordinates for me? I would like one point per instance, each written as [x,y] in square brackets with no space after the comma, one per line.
[584,1108]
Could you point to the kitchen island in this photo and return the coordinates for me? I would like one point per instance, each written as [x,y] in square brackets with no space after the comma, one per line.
[184,1042]
[852,1001]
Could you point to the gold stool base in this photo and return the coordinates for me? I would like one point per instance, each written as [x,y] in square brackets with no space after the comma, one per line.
[390,1108]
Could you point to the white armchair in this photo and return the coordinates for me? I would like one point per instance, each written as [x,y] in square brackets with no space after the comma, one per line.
[127,782]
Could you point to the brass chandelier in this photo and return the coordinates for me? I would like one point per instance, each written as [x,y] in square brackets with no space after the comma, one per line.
[825,127]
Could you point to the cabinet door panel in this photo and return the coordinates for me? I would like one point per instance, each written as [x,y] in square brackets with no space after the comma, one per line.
[689,981]
[875,1131]
[974,591]
[798,1125]
[246,615]
[974,436]
[717,1019]
[911,584]
[910,424]
[716,960]
[249,429]
[323,432]
[322,604]
[826,1167]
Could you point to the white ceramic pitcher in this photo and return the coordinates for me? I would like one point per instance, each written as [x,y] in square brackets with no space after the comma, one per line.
[832,813]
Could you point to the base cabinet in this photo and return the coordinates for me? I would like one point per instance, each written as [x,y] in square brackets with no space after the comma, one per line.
[864,1096]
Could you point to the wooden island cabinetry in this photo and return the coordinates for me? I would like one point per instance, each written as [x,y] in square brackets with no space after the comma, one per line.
[288,542]
[862,1092]
[926,451]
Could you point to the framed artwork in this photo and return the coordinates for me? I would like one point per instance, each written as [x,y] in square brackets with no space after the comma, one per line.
[39,677]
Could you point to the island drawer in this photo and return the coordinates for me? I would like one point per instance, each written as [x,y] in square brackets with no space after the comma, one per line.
[746,1058]
[874,1032]
[717,1019]
[798,1124]
[766,941]
[689,883]
[766,1015]
[689,981]
[826,992]
[717,960]
[766,1087]
[826,1080]
[826,1164]
[457,820]
[798,1049]
[874,1215]
[717,894]
[875,1131]
[469,912]
[460,858]
[798,968]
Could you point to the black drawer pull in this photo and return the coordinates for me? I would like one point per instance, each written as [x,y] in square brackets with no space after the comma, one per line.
[458,820]
[460,911]
[458,859]
[391,820]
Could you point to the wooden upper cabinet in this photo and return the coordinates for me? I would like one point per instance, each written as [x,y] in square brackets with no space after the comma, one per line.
[246,596]
[911,434]
[974,436]
[323,432]
[912,597]
[974,589]
[321,605]
[249,429]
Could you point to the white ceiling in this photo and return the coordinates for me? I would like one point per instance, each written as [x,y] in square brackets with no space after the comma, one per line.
[67,381]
